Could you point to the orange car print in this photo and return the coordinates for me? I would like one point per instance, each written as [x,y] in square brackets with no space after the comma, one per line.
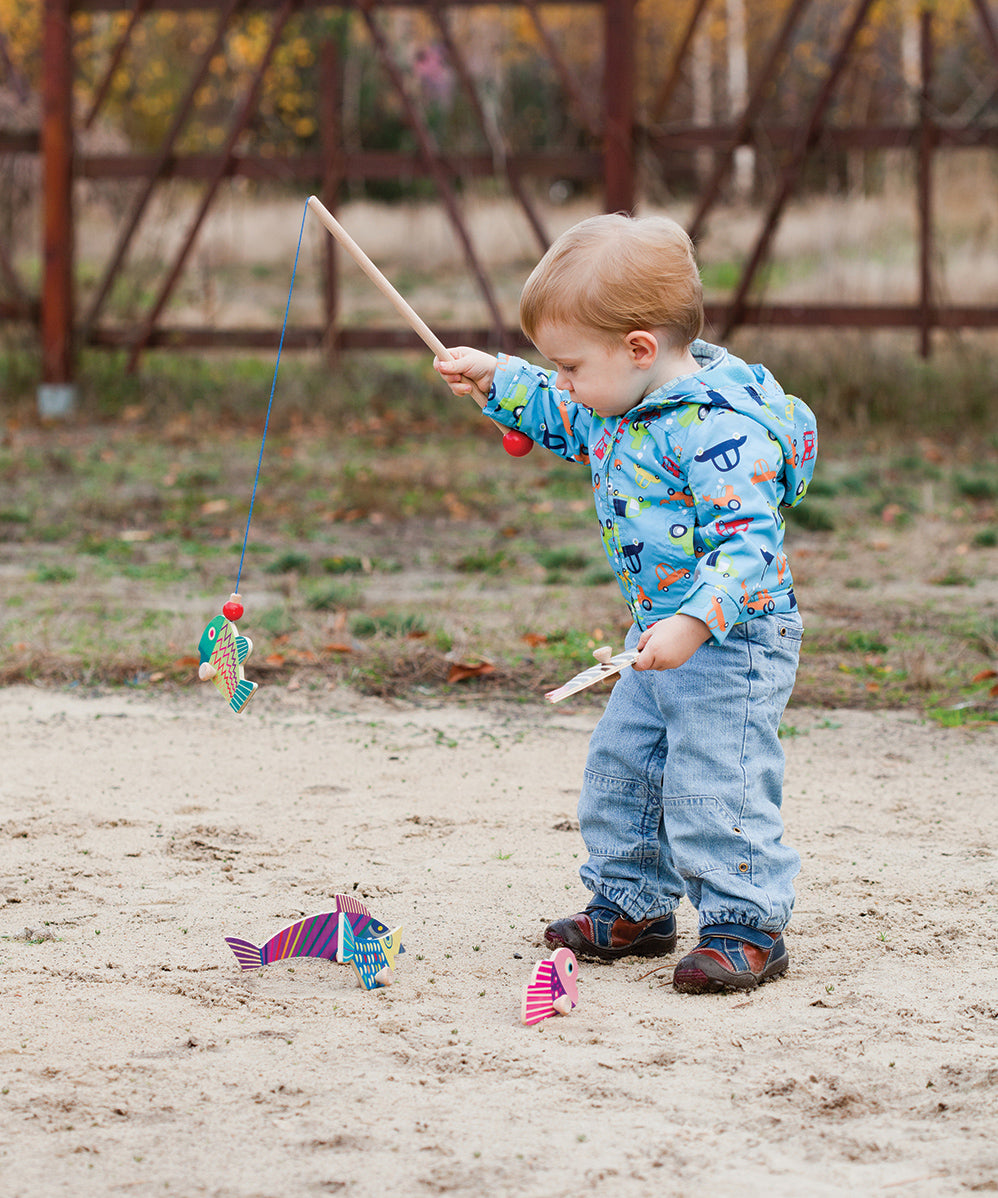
[761,601]
[666,579]
[727,498]
[761,472]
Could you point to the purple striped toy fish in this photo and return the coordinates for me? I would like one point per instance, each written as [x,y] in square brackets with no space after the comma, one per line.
[316,936]
[552,990]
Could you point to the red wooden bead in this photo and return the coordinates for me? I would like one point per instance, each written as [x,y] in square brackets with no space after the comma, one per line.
[232,610]
[517,444]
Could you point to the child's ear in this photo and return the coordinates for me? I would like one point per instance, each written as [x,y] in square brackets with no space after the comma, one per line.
[643,348]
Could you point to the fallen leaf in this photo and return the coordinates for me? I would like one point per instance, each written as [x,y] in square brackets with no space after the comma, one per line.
[461,670]
[533,639]
[931,452]
[455,508]
[984,675]
[337,647]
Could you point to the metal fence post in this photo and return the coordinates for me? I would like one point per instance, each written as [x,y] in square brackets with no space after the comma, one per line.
[618,105]
[57,391]
[926,146]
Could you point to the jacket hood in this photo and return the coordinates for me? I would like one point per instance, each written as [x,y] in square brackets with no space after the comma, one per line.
[726,382]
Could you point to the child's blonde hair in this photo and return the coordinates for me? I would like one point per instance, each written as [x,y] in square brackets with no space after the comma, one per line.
[616,273]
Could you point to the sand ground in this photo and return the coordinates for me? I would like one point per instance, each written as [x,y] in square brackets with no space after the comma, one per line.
[138,831]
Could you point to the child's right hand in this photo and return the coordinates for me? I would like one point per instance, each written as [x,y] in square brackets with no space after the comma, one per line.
[467,369]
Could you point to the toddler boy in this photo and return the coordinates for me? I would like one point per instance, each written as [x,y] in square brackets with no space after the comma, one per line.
[693,453]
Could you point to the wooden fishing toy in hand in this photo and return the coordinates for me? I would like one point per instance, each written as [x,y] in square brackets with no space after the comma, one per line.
[515,443]
[221,649]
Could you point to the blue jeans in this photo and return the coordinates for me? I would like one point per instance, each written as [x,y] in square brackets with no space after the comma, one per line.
[684,782]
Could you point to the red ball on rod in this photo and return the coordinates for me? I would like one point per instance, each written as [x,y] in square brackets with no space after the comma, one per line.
[233,609]
[517,444]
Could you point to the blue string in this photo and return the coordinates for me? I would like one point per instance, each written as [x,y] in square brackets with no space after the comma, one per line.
[273,385]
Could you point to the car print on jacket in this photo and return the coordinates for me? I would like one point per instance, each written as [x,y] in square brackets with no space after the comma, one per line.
[715,454]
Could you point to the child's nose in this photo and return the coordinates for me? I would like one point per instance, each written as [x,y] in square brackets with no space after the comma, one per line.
[563,382]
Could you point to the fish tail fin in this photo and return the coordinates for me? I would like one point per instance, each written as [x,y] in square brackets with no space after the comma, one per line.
[537,1002]
[245,690]
[248,955]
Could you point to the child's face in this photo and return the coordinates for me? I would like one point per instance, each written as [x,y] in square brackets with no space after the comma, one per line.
[601,375]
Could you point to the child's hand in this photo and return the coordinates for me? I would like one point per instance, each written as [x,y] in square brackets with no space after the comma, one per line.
[670,642]
[466,369]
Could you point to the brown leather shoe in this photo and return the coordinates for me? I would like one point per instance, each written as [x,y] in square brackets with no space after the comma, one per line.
[731,956]
[601,933]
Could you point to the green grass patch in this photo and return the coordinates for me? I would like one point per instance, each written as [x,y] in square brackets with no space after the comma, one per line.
[344,564]
[290,562]
[484,561]
[331,596]
[814,517]
[977,487]
[277,621]
[393,624]
[54,573]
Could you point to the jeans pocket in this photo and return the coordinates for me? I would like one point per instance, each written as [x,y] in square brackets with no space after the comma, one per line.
[705,836]
[789,628]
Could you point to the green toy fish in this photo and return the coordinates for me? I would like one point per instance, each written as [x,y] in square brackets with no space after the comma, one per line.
[222,651]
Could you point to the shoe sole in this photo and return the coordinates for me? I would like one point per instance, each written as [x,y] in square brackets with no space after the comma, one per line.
[695,979]
[653,946]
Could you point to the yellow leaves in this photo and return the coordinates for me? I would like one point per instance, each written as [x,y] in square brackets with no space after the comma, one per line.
[21,22]
[301,52]
[244,49]
[165,47]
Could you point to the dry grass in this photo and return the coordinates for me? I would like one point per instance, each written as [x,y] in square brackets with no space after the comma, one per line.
[857,247]
[120,538]
[385,556]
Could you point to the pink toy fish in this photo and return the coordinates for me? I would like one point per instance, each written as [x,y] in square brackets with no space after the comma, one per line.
[552,990]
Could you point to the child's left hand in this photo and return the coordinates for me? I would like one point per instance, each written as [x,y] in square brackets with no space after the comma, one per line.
[670,642]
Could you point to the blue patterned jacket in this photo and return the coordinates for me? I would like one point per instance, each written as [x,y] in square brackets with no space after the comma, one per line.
[688,485]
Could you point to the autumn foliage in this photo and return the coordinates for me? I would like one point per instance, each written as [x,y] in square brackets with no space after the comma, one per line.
[505,49]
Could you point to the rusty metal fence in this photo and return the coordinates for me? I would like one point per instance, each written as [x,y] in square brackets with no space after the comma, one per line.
[636,127]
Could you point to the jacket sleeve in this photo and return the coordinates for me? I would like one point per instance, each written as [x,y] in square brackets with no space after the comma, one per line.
[524,397]
[735,472]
